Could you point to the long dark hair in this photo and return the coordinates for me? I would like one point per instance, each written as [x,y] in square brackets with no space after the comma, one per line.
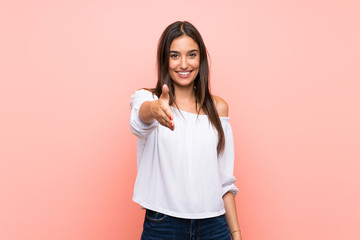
[203,97]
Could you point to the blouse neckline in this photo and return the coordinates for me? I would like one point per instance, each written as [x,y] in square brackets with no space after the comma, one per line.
[194,114]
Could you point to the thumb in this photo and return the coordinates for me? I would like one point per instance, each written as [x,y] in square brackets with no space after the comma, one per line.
[165,93]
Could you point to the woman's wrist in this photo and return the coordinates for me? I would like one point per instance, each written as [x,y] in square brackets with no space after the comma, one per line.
[153,108]
[235,234]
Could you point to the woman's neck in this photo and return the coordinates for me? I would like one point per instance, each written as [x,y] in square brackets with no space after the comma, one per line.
[184,94]
[185,99]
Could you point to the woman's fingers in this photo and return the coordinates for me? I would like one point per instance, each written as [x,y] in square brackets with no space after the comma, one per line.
[161,109]
[167,124]
[168,118]
[165,93]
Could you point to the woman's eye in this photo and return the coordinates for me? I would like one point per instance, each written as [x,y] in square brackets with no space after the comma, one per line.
[192,54]
[173,55]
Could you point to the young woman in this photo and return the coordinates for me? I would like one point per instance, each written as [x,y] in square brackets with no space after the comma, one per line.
[185,151]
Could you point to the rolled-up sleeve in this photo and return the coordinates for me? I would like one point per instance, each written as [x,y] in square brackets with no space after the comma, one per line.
[226,160]
[137,126]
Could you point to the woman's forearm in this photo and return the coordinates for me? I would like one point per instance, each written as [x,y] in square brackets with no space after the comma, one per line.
[231,215]
[145,113]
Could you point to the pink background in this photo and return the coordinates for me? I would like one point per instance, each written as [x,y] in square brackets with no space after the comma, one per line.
[289,71]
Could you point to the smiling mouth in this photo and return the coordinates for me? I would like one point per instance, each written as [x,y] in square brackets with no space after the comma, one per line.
[184,74]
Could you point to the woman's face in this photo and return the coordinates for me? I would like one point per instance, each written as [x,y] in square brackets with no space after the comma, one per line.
[184,61]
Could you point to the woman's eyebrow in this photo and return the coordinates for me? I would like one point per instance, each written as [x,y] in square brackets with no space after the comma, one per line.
[193,50]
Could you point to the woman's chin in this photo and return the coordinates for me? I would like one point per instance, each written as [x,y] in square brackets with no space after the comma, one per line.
[184,84]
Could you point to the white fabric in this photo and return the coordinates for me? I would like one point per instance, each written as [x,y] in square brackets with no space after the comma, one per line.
[179,172]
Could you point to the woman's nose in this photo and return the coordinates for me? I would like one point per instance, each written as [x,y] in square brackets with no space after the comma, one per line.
[183,63]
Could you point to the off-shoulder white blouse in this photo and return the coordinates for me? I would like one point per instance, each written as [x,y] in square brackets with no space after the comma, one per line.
[179,172]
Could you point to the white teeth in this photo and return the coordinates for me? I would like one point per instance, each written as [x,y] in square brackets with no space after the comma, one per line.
[184,73]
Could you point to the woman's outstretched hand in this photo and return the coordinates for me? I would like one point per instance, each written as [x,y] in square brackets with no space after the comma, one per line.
[160,109]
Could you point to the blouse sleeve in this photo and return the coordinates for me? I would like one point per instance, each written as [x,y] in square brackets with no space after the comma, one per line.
[226,160]
[137,126]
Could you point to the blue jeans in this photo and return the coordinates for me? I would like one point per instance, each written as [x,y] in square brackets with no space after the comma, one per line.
[158,226]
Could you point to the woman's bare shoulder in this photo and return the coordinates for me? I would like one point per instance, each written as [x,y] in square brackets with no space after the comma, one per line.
[221,106]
